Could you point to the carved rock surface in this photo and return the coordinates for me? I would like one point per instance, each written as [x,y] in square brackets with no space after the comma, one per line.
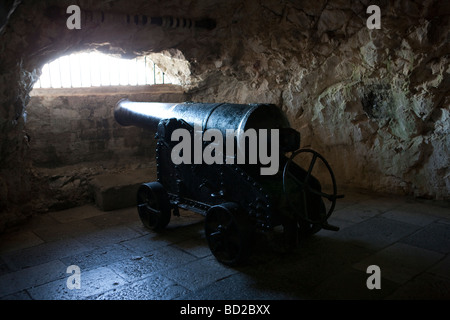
[375,102]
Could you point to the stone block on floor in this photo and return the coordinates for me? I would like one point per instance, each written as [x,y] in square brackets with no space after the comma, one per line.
[118,191]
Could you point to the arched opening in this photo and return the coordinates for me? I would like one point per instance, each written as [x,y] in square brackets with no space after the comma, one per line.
[78,151]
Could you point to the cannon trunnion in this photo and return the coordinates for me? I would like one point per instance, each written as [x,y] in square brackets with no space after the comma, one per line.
[206,163]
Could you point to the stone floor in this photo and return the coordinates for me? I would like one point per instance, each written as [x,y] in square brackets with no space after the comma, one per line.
[409,240]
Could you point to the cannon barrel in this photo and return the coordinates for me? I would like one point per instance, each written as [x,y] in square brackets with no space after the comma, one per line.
[237,197]
[220,116]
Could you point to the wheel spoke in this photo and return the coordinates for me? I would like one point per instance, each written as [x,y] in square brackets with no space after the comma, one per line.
[216,234]
[147,207]
[297,180]
[224,221]
[153,205]
[302,178]
[311,166]
[216,241]
[226,237]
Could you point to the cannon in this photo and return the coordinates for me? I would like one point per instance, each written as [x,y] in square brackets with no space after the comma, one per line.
[236,165]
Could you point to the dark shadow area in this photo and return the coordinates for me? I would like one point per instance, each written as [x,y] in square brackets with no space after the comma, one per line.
[120,259]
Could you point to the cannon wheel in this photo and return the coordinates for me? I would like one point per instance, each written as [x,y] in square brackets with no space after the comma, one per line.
[308,228]
[307,225]
[228,234]
[153,205]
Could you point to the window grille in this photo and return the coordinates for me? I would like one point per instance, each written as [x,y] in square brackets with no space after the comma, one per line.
[93,69]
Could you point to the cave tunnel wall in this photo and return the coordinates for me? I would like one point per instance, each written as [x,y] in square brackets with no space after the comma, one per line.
[374,102]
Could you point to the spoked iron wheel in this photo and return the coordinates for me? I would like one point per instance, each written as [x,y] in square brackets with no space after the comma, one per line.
[308,228]
[228,234]
[153,205]
[315,212]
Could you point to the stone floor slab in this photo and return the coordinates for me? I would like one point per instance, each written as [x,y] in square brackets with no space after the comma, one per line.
[357,213]
[115,218]
[92,282]
[61,231]
[350,284]
[13,241]
[121,259]
[151,241]
[137,267]
[412,217]
[424,287]
[442,268]
[31,277]
[98,257]
[43,253]
[400,262]
[75,214]
[240,287]
[154,287]
[109,236]
[375,233]
[200,273]
[435,236]
[197,247]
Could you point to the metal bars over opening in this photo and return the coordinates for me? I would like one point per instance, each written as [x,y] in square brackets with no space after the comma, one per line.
[93,69]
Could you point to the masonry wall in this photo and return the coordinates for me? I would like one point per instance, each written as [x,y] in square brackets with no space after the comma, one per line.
[67,127]
[73,138]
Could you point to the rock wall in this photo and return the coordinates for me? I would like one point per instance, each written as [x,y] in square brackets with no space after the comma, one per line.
[33,33]
[374,102]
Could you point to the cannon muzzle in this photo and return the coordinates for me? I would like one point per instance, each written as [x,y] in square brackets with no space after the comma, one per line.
[142,114]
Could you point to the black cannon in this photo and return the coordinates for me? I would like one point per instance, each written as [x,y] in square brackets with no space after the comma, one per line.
[230,163]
